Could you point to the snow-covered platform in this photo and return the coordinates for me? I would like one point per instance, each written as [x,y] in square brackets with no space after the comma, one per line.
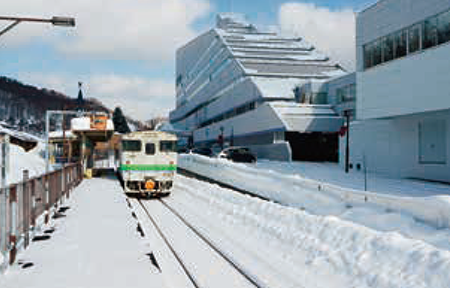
[95,245]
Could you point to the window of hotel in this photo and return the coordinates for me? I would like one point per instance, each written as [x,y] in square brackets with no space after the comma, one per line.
[414,35]
[444,27]
[346,93]
[430,34]
[368,53]
[400,44]
[388,48]
[220,68]
[377,53]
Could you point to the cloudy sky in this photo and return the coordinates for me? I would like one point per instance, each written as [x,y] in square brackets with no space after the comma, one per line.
[123,50]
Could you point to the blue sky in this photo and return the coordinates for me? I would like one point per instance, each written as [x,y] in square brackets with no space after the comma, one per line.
[123,50]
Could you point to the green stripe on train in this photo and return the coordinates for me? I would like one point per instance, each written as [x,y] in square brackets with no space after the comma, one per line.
[147,167]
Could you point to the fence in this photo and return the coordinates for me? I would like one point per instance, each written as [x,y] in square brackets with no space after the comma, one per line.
[22,204]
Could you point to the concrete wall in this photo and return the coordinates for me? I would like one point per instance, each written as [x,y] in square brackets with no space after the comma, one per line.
[276,151]
[391,147]
[413,84]
[262,119]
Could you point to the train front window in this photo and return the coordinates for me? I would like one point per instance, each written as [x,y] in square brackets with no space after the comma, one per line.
[168,146]
[150,149]
[131,145]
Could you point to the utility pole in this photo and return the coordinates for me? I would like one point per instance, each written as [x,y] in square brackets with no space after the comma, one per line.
[347,146]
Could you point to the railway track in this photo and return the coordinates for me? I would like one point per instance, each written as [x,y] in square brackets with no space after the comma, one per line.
[204,264]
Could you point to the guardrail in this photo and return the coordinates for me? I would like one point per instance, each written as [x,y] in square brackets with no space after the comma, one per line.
[303,192]
[24,204]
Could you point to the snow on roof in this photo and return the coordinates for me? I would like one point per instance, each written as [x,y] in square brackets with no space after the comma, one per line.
[277,87]
[84,124]
[278,52]
[20,134]
[231,18]
[59,134]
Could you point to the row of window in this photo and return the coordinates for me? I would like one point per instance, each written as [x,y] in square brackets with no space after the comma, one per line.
[214,74]
[150,148]
[428,33]
[346,93]
[312,98]
[230,114]
[238,79]
[196,67]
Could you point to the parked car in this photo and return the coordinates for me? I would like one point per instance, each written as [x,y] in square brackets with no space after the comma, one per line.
[238,154]
[203,151]
[183,150]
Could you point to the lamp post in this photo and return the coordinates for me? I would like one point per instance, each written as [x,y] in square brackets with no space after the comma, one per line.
[55,21]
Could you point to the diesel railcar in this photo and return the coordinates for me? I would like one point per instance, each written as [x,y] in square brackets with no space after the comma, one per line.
[148,163]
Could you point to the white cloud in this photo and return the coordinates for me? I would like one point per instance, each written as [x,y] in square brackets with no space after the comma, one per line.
[118,29]
[139,98]
[330,31]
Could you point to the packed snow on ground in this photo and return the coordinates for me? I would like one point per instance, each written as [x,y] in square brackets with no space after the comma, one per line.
[333,174]
[289,247]
[95,245]
[379,211]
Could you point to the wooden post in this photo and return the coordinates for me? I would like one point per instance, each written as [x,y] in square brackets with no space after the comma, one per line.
[13,223]
[26,208]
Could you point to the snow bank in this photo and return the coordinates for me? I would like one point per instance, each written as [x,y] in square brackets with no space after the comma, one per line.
[21,160]
[321,251]
[303,192]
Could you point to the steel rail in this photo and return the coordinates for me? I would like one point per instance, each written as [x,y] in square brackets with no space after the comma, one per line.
[166,241]
[239,269]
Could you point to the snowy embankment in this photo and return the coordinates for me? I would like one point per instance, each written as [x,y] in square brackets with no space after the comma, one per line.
[21,160]
[315,196]
[293,248]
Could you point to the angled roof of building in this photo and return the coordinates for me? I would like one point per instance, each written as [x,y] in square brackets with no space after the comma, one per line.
[270,54]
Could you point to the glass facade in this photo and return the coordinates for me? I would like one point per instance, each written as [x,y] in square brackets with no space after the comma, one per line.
[346,93]
[432,31]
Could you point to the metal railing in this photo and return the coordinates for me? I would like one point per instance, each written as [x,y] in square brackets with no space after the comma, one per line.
[22,205]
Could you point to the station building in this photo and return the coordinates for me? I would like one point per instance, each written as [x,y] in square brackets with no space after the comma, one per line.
[244,86]
[402,125]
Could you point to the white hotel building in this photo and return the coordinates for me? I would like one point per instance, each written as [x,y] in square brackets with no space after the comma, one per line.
[240,82]
[403,89]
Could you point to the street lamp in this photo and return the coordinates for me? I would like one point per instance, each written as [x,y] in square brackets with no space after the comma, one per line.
[56,21]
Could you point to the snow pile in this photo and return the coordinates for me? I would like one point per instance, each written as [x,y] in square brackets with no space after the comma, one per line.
[21,160]
[320,197]
[61,134]
[319,251]
[80,123]
[84,124]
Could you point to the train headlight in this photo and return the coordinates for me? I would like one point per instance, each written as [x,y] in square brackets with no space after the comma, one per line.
[149,185]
